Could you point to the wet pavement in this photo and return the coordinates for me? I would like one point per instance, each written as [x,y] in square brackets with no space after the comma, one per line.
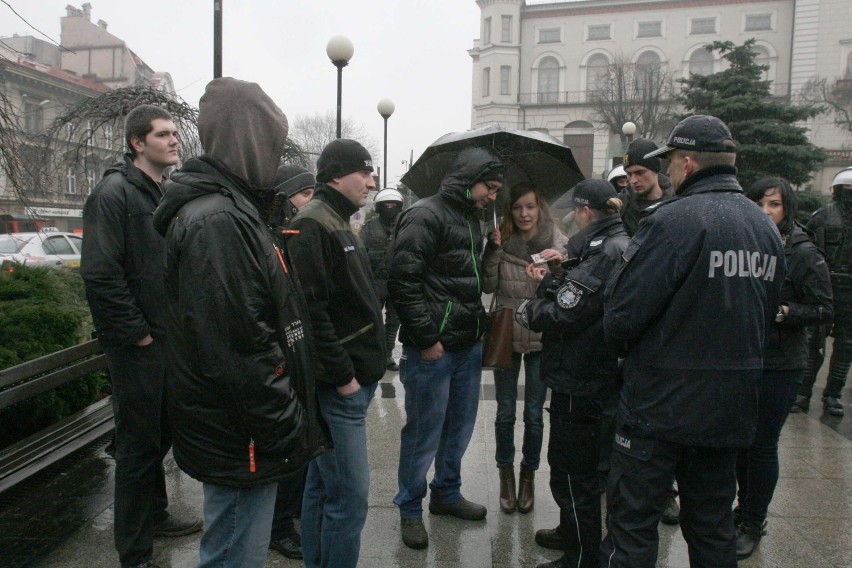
[63,517]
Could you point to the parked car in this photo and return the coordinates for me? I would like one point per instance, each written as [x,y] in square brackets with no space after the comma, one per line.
[44,248]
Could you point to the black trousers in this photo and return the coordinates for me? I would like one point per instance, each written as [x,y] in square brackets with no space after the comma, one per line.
[288,502]
[841,355]
[573,452]
[142,440]
[639,481]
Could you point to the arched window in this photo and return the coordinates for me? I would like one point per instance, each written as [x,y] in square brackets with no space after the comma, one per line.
[548,80]
[597,69]
[648,66]
[701,62]
[762,58]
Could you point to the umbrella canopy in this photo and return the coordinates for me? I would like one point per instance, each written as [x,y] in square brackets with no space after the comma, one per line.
[532,157]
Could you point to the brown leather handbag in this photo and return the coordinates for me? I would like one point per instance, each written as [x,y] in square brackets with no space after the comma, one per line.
[497,350]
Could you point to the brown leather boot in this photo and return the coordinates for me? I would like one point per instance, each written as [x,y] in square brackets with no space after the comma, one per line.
[508,499]
[526,490]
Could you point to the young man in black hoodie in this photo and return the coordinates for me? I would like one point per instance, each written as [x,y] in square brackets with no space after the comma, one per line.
[349,336]
[240,393]
[122,267]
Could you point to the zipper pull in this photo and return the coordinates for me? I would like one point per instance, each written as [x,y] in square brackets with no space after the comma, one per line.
[252,466]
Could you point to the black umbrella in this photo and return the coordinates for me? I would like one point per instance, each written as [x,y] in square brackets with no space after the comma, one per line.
[532,157]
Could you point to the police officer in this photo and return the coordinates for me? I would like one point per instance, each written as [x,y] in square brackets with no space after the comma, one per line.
[689,310]
[618,178]
[377,235]
[582,373]
[832,229]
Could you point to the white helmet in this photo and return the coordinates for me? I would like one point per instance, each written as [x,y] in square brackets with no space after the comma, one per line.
[843,177]
[616,172]
[388,194]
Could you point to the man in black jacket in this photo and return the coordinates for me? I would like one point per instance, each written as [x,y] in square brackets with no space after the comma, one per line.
[122,267]
[241,394]
[434,284]
[643,183]
[689,309]
[349,335]
[582,373]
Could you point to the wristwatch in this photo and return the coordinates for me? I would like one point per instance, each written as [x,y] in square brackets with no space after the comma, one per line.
[780,316]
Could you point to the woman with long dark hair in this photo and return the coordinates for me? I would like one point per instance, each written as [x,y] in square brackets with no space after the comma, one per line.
[527,229]
[805,300]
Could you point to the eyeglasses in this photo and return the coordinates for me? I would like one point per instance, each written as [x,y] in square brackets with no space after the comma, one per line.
[493,187]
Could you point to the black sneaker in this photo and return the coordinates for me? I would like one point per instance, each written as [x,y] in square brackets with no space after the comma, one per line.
[462,509]
[832,405]
[801,404]
[175,525]
[748,537]
[671,514]
[289,546]
[550,538]
[392,365]
[414,533]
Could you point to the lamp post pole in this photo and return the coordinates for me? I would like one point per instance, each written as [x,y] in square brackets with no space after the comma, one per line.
[340,50]
[386,108]
[217,39]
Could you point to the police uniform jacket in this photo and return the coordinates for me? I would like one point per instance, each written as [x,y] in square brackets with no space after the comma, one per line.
[434,267]
[689,308]
[240,385]
[569,311]
[807,293]
[377,238]
[348,330]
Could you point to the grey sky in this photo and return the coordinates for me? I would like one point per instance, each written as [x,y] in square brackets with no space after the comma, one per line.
[411,51]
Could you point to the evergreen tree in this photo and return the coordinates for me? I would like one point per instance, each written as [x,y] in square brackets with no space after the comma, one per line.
[769,142]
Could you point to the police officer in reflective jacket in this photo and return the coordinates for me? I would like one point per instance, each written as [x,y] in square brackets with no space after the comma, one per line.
[689,309]
[582,373]
[832,229]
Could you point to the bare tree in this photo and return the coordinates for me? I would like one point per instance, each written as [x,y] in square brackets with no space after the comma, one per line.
[11,144]
[312,133]
[834,97]
[633,92]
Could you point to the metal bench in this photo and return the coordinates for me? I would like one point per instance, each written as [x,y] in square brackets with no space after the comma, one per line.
[21,382]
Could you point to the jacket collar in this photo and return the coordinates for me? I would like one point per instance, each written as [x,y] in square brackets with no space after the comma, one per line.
[578,245]
[700,182]
[336,200]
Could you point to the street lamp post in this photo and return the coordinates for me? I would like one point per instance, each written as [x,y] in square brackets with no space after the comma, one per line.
[340,50]
[386,108]
[628,129]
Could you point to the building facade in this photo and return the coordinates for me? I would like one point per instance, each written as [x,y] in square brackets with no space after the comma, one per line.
[39,82]
[535,66]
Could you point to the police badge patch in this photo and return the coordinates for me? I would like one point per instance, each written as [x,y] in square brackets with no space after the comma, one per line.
[569,295]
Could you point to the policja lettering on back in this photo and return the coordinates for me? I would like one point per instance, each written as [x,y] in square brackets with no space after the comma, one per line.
[743,263]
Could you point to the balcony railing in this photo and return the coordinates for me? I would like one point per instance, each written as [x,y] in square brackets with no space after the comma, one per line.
[777,90]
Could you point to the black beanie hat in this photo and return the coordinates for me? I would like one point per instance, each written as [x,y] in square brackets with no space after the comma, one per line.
[290,180]
[342,157]
[635,155]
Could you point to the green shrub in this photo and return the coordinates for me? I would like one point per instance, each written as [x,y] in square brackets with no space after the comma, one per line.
[43,310]
[809,201]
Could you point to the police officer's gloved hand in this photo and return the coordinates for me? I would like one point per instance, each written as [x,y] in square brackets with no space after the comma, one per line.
[521,314]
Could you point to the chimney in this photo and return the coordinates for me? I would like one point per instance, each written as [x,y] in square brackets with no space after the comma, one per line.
[87,11]
[102,24]
[71,11]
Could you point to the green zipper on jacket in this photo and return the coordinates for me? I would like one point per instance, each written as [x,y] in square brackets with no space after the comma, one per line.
[475,268]
[447,311]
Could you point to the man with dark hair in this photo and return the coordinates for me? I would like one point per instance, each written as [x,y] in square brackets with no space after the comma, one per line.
[241,384]
[377,235]
[122,267]
[831,226]
[434,284]
[689,309]
[349,335]
[643,183]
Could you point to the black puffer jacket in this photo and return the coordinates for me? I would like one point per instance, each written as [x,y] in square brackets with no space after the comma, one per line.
[241,363]
[348,330]
[569,311]
[807,291]
[434,268]
[122,256]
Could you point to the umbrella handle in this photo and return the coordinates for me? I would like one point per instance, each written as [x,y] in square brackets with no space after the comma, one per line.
[495,214]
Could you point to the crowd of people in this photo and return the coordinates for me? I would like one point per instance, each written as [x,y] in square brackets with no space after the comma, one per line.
[246,328]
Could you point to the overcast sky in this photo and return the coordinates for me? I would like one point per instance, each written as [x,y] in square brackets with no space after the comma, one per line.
[413,52]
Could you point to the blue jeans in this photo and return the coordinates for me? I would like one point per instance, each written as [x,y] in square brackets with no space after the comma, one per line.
[334,508]
[535,391]
[441,400]
[237,521]
[757,466]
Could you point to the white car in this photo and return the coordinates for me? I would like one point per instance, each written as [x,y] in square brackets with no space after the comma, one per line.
[45,248]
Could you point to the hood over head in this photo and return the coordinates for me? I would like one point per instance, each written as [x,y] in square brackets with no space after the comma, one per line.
[472,165]
[242,127]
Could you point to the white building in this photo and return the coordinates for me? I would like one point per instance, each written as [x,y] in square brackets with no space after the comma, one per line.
[535,64]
